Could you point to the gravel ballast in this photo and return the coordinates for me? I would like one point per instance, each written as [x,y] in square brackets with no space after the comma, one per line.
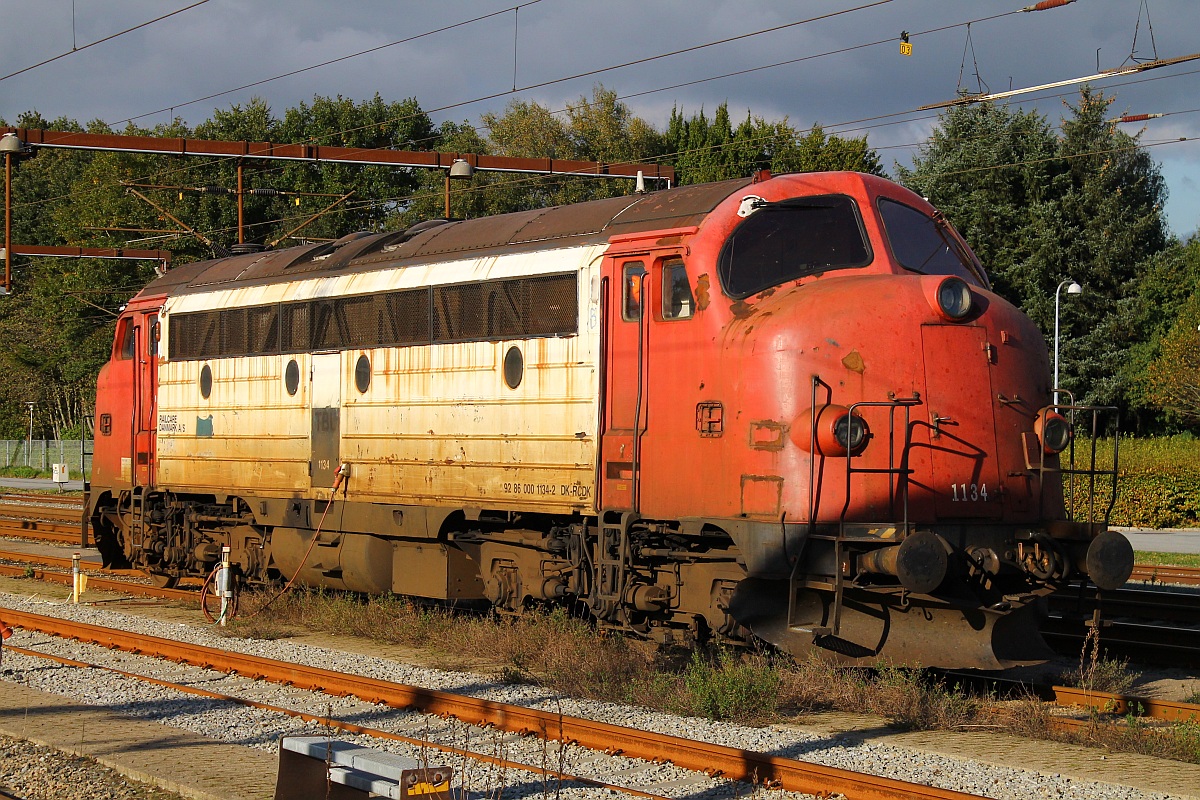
[261,729]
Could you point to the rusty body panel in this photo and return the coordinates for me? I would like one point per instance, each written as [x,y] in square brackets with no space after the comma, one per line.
[436,424]
[790,409]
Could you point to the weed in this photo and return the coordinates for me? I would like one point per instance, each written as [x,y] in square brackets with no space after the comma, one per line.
[726,687]
[1097,673]
[29,572]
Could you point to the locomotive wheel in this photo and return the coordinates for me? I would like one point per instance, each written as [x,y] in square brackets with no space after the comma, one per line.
[162,580]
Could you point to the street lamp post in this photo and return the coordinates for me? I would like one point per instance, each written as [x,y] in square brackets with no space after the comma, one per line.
[12,146]
[1073,288]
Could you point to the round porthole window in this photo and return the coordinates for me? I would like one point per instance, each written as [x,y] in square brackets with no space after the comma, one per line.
[514,367]
[291,377]
[362,374]
[206,381]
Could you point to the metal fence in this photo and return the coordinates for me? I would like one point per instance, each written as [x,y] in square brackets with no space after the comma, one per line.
[43,454]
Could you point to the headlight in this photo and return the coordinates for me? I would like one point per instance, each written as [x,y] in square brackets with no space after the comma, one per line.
[954,298]
[850,432]
[1054,430]
[837,431]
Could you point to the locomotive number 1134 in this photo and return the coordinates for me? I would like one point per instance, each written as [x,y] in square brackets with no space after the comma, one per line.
[963,492]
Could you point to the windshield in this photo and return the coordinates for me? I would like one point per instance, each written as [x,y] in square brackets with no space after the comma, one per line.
[923,244]
[784,241]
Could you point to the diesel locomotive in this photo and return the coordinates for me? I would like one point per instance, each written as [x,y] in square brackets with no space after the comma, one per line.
[782,407]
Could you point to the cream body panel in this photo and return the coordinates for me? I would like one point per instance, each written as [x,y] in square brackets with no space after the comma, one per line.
[248,432]
[437,424]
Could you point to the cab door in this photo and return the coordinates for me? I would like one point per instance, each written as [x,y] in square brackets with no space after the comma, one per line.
[625,399]
[146,332]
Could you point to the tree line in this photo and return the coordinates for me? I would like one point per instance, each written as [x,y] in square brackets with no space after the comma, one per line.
[1039,204]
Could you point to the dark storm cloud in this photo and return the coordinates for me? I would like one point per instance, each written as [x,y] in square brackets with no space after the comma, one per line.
[226,43]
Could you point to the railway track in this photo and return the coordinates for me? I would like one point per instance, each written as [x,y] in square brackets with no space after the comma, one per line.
[1158,625]
[602,737]
[1156,573]
[46,518]
[56,518]
[1148,708]
[346,727]
[1157,622]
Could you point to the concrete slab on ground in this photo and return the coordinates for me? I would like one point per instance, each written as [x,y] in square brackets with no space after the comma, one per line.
[183,762]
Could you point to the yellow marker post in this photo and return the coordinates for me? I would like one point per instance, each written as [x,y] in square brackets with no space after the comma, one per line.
[75,588]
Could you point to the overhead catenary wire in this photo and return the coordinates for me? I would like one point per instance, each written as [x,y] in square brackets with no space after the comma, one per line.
[543,84]
[329,62]
[75,50]
[828,127]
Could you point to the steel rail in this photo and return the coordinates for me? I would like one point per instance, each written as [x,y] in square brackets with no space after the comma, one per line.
[42,531]
[1157,573]
[1146,643]
[348,727]
[713,759]
[57,499]
[1107,702]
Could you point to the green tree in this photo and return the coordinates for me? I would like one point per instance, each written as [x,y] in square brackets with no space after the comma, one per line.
[1106,225]
[600,128]
[1173,378]
[1040,208]
[712,150]
[990,169]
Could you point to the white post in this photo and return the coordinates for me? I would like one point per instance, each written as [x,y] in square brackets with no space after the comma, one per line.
[224,583]
[75,578]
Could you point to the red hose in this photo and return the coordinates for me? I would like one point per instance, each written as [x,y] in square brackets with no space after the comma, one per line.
[337,482]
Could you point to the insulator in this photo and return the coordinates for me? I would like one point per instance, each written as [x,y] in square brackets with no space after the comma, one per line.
[1046,5]
[264,192]
[213,190]
[1137,117]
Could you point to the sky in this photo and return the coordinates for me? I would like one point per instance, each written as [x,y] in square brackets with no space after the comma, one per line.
[845,72]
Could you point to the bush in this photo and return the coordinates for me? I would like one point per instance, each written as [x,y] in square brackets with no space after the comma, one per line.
[1158,481]
[23,472]
[730,687]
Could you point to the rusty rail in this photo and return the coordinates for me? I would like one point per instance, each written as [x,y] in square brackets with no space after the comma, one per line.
[53,499]
[348,727]
[1156,573]
[1163,710]
[42,531]
[94,583]
[713,759]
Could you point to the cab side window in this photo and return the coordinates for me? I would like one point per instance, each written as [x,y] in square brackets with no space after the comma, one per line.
[677,299]
[155,333]
[631,282]
[126,344]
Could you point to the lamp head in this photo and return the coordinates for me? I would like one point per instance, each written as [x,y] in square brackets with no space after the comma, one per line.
[11,143]
[461,169]
[1074,288]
